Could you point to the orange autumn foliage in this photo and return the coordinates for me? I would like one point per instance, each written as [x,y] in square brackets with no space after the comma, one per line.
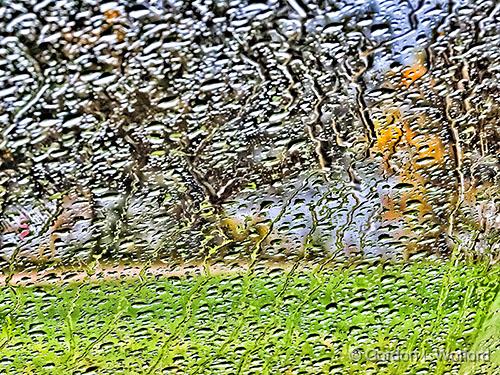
[422,151]
[412,73]
[111,14]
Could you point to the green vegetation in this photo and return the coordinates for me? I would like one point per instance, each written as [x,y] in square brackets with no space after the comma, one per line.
[337,320]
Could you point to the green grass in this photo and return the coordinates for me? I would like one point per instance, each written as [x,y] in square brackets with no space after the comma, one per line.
[272,322]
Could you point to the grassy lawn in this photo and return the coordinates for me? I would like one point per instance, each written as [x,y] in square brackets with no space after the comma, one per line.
[345,319]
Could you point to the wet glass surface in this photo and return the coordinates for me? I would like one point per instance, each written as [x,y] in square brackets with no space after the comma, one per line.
[238,129]
[230,134]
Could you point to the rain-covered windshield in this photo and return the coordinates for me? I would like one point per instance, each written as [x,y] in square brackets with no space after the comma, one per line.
[223,135]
